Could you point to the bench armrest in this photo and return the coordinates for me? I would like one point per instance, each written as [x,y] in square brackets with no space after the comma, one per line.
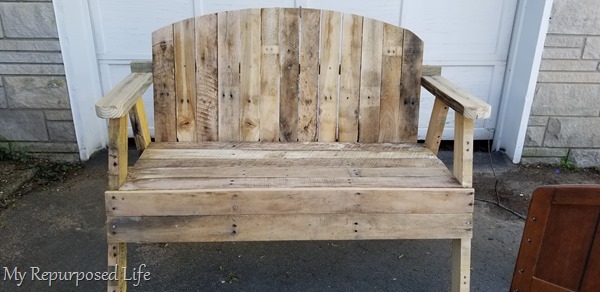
[117,102]
[462,102]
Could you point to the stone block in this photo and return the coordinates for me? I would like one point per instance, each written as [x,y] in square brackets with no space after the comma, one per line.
[568,65]
[533,121]
[31,69]
[575,17]
[22,126]
[61,131]
[585,157]
[572,132]
[28,20]
[58,115]
[3,101]
[31,57]
[534,136]
[37,92]
[569,77]
[592,48]
[45,147]
[29,45]
[566,100]
[562,41]
[541,160]
[561,53]
[544,152]
[63,157]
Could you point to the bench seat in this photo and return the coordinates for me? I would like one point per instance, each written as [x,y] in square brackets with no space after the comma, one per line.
[252,191]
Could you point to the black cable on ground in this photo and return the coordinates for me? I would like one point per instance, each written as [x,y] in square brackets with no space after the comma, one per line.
[497,203]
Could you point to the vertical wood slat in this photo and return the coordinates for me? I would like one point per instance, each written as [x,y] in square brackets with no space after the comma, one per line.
[207,85]
[370,81]
[117,257]
[328,83]
[288,84]
[437,122]
[250,26]
[269,74]
[117,152]
[350,78]
[390,84]
[410,87]
[463,150]
[139,125]
[185,79]
[228,30]
[163,67]
[309,74]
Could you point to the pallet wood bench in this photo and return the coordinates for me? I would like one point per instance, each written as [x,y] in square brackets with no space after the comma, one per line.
[287,124]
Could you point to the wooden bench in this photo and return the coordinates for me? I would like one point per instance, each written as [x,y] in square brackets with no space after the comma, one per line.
[287,124]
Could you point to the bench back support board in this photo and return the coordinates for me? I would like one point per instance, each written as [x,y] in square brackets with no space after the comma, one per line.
[285,74]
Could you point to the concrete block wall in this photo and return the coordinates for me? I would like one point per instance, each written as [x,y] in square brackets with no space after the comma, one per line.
[35,114]
[565,117]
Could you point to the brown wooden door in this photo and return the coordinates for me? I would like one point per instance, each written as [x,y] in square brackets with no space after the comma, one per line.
[560,248]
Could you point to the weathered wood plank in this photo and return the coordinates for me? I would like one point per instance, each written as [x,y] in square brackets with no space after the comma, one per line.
[289,227]
[250,26]
[119,100]
[117,257]
[163,67]
[410,87]
[370,81]
[288,201]
[461,264]
[429,70]
[237,154]
[185,79]
[303,162]
[289,40]
[234,172]
[331,24]
[463,150]
[140,66]
[139,125]
[462,102]
[350,78]
[389,114]
[443,181]
[269,74]
[322,146]
[228,31]
[437,122]
[117,152]
[309,74]
[207,76]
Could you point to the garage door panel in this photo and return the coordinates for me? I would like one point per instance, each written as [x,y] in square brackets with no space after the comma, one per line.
[461,29]
[384,10]
[125,27]
[212,6]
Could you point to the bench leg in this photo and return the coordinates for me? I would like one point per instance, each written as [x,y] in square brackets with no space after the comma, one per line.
[117,256]
[461,264]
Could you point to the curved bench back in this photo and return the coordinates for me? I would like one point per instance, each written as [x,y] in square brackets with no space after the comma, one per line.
[286,74]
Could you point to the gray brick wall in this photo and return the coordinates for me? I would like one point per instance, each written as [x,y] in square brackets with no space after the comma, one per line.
[565,117]
[35,114]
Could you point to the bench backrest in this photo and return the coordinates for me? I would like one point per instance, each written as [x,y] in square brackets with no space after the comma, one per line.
[286,74]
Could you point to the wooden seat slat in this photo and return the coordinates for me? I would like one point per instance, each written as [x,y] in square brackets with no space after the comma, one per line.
[257,171]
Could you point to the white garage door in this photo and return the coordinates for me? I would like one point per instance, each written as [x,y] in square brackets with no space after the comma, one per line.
[469,38]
